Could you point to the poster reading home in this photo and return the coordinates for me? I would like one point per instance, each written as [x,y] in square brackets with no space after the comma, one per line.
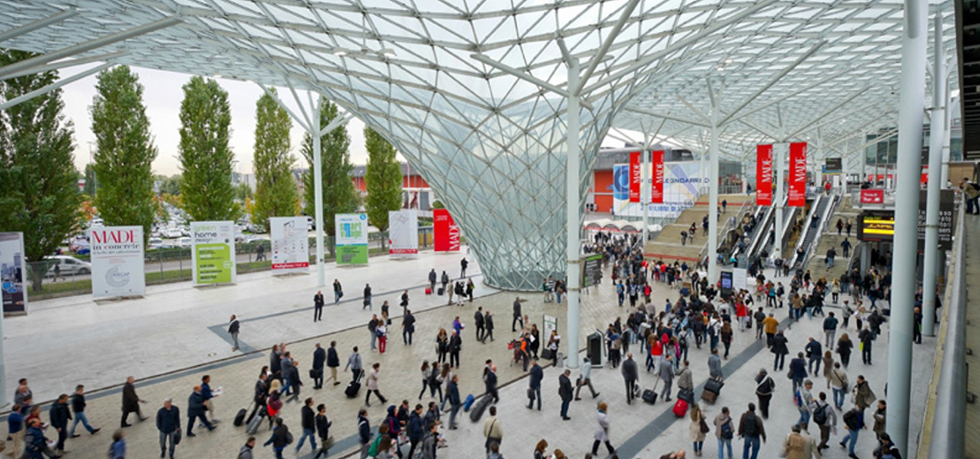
[213,252]
[117,262]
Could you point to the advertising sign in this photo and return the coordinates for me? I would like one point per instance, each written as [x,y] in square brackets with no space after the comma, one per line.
[13,268]
[403,233]
[832,166]
[117,262]
[726,283]
[946,199]
[680,191]
[763,175]
[872,196]
[592,270]
[445,231]
[657,163]
[290,246]
[797,175]
[635,177]
[352,239]
[213,252]
[740,278]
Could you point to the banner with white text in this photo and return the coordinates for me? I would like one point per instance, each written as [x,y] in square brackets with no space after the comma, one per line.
[445,231]
[763,175]
[290,245]
[657,164]
[796,185]
[213,252]
[117,262]
[635,176]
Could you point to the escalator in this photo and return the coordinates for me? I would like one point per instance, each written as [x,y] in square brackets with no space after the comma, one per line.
[813,227]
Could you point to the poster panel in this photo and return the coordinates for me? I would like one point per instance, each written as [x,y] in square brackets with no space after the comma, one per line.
[873,196]
[352,239]
[290,245]
[635,176]
[763,175]
[740,278]
[213,252]
[657,163]
[117,262]
[403,233]
[680,182]
[797,175]
[446,233]
[13,268]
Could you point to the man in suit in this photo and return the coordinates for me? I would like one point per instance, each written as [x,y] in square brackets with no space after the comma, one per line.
[130,402]
[319,358]
[534,386]
[478,320]
[195,410]
[630,376]
[318,306]
[566,393]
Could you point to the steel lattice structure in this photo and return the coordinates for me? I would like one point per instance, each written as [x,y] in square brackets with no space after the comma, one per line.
[489,143]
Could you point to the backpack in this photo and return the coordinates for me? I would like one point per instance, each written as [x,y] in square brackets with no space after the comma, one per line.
[820,415]
[727,432]
[751,426]
[682,342]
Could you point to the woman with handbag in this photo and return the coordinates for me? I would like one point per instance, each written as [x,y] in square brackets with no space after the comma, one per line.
[698,429]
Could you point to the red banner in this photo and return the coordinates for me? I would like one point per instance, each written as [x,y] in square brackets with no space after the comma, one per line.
[797,175]
[763,175]
[445,231]
[873,196]
[657,160]
[635,176]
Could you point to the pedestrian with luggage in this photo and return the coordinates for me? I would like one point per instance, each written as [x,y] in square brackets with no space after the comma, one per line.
[354,364]
[584,379]
[714,366]
[751,429]
[168,424]
[432,280]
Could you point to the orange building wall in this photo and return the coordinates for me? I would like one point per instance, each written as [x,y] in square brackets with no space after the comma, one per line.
[602,190]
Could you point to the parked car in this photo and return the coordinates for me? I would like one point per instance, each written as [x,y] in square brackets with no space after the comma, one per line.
[154,243]
[172,233]
[184,242]
[68,266]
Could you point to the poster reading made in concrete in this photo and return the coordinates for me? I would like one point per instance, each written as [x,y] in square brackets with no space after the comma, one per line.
[13,272]
[352,239]
[403,233]
[290,245]
[213,252]
[117,262]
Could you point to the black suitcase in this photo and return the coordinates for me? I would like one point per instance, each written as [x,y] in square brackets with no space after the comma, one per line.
[442,291]
[686,394]
[352,389]
[240,417]
[476,412]
[713,385]
[649,396]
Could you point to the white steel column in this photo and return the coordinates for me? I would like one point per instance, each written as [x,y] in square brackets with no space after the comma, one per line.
[646,193]
[777,177]
[574,226]
[321,275]
[937,132]
[713,200]
[912,88]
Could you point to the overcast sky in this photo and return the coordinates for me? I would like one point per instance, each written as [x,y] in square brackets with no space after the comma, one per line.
[162,95]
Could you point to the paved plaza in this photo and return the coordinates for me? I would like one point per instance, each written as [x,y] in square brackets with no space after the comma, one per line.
[175,335]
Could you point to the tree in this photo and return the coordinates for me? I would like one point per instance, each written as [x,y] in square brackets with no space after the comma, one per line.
[170,185]
[339,194]
[206,192]
[383,179]
[39,196]
[275,189]
[124,150]
[91,185]
[243,192]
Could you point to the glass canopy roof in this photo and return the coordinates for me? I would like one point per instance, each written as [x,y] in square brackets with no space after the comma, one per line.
[491,144]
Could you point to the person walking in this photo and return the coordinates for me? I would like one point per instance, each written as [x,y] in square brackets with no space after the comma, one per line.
[797,371]
[838,383]
[195,410]
[294,381]
[168,425]
[16,427]
[492,430]
[338,291]
[416,429]
[233,327]
[322,430]
[363,432]
[318,306]
[685,378]
[209,397]
[78,408]
[259,395]
[804,399]
[534,385]
[794,444]
[752,430]
[246,452]
[698,429]
[478,321]
[354,364]
[814,355]
[825,418]
[517,315]
[404,302]
[488,326]
[854,422]
[367,297]
[428,376]
[452,394]
[666,374]
[866,337]
[130,402]
[724,432]
[602,430]
[35,445]
[630,376]
[60,414]
[771,326]
[780,349]
[830,330]
[374,376]
[584,379]
[565,392]
[408,327]
[765,385]
[280,439]
[863,396]
[455,345]
[844,348]
[714,366]
[118,448]
[333,361]
[319,359]
[490,382]
[462,267]
[308,424]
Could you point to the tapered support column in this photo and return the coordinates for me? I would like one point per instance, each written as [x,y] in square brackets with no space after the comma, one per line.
[713,200]
[937,133]
[321,274]
[913,85]
[573,280]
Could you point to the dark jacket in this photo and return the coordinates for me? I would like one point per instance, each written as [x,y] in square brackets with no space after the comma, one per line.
[168,420]
[59,415]
[261,390]
[455,343]
[416,427]
[758,422]
[478,319]
[319,358]
[491,381]
[537,374]
[318,299]
[78,403]
[452,392]
[234,326]
[308,418]
[280,437]
[294,377]
[813,349]
[797,368]
[322,426]
[195,404]
[130,401]
[488,322]
[779,345]
[565,390]
[628,368]
[363,430]
[333,360]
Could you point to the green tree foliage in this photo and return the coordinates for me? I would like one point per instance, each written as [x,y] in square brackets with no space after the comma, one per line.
[124,150]
[243,192]
[170,185]
[383,179]
[91,185]
[39,194]
[275,190]
[339,194]
[206,191]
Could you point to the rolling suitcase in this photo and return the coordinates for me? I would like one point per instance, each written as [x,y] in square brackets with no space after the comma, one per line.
[649,396]
[680,408]
[441,291]
[713,385]
[428,291]
[708,396]
[253,425]
[240,417]
[354,387]
[686,394]
[479,407]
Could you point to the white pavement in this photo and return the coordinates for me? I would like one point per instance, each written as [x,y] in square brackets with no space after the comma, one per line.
[75,340]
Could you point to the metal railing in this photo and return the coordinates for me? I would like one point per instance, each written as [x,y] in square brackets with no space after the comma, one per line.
[810,251]
[949,412]
[723,232]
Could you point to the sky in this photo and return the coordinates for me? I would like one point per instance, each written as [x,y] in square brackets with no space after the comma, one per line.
[162,94]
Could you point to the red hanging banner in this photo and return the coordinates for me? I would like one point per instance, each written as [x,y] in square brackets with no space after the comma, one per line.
[635,177]
[797,175]
[763,175]
[445,231]
[657,160]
